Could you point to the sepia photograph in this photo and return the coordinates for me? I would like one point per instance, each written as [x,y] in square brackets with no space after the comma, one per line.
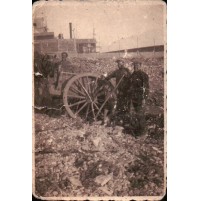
[99,100]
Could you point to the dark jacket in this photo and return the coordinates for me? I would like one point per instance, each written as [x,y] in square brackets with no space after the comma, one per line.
[139,85]
[118,75]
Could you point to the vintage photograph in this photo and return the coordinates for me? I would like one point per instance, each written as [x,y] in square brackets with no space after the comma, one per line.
[99,100]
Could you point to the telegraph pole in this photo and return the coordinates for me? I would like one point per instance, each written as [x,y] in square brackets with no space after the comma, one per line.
[75,47]
[99,46]
[94,34]
[118,44]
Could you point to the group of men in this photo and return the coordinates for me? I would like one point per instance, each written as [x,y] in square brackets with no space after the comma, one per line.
[132,90]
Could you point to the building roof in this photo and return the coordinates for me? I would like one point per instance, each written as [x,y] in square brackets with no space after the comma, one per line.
[146,39]
[86,40]
[44,35]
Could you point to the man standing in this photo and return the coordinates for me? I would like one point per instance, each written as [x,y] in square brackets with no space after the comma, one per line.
[139,90]
[122,75]
[64,66]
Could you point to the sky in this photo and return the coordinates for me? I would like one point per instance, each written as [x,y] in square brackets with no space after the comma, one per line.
[111,21]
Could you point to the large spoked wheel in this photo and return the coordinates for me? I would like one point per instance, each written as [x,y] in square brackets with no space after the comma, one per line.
[84,96]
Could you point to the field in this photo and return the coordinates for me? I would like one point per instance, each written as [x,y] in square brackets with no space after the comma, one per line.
[76,158]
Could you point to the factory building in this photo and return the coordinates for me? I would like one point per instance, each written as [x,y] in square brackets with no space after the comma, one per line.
[46,42]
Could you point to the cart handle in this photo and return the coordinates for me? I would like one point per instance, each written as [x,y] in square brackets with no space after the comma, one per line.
[108,97]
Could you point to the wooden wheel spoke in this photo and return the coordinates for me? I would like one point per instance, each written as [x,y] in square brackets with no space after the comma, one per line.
[93,110]
[85,90]
[89,85]
[77,103]
[100,93]
[81,108]
[97,90]
[93,86]
[90,111]
[74,96]
[75,90]
[96,82]
[85,95]
[79,88]
[85,83]
[95,105]
[87,110]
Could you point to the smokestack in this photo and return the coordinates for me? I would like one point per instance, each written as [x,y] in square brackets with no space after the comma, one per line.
[70,28]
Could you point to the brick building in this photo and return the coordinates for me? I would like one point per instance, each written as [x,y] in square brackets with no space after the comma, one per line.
[46,42]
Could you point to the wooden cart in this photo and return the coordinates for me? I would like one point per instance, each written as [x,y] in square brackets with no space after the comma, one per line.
[84,94]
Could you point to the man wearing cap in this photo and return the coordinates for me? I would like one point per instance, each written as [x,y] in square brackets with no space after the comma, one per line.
[122,75]
[139,90]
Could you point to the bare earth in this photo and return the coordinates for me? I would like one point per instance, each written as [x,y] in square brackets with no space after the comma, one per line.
[75,158]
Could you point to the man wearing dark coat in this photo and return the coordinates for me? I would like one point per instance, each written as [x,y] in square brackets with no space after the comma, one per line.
[138,91]
[121,75]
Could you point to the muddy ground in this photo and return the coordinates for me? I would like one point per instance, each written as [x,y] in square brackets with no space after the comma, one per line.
[78,158]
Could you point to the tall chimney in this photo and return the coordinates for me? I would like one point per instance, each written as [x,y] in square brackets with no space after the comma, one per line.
[70,28]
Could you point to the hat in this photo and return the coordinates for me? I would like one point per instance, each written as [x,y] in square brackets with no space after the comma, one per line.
[64,53]
[136,61]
